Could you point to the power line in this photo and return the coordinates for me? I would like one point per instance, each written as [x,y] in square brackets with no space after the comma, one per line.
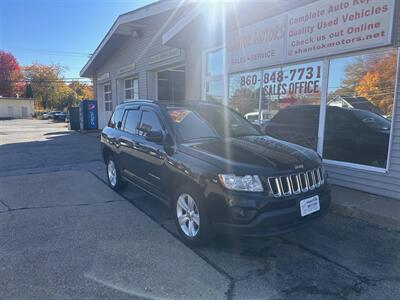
[53,52]
[47,80]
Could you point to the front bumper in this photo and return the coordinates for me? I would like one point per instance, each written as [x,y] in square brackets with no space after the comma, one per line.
[274,221]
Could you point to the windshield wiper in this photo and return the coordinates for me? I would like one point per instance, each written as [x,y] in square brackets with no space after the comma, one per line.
[247,134]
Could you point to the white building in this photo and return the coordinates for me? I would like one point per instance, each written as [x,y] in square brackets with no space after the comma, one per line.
[267,56]
[16,108]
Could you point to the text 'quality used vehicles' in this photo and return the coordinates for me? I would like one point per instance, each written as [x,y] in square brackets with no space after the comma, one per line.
[214,169]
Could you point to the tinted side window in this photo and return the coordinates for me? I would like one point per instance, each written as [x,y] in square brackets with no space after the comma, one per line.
[111,122]
[115,118]
[150,122]
[132,121]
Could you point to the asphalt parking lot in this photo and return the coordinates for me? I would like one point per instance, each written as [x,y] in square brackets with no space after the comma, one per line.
[65,235]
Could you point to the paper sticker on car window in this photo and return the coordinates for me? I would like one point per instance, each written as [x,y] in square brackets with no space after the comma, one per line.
[178,115]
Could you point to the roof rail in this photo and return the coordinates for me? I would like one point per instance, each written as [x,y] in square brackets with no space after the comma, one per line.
[139,100]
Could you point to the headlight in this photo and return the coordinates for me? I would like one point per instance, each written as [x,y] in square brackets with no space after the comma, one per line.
[246,183]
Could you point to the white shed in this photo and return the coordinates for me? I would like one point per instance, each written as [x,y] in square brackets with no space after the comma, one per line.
[16,108]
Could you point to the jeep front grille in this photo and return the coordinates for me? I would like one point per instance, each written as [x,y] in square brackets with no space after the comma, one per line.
[296,183]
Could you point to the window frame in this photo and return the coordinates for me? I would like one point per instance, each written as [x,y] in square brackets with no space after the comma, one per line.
[132,88]
[125,117]
[104,97]
[147,109]
[210,78]
[112,119]
[350,165]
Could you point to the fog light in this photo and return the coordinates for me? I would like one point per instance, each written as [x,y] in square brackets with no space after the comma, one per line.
[243,214]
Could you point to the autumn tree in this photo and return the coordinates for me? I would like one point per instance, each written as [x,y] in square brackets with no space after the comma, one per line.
[45,82]
[83,90]
[377,84]
[65,96]
[11,83]
[371,76]
[244,100]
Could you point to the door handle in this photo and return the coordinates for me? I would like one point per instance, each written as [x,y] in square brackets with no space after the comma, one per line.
[125,142]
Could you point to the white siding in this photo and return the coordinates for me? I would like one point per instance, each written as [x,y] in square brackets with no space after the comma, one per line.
[138,51]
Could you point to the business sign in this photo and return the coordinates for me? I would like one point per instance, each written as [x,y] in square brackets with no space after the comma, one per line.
[332,27]
[256,45]
[302,80]
[103,76]
[292,82]
[322,28]
[127,68]
[165,55]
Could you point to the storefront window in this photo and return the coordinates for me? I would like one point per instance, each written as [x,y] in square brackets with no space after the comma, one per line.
[291,97]
[359,108]
[214,76]
[244,94]
[215,63]
[215,90]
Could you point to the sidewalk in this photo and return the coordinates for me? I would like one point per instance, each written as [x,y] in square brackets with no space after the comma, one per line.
[378,210]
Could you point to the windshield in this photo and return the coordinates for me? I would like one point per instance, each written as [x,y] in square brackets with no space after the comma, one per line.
[202,122]
[372,120]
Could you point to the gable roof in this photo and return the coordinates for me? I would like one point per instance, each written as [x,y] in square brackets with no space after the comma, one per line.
[118,27]
[361,103]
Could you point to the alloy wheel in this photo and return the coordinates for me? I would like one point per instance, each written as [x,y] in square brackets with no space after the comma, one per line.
[188,215]
[112,173]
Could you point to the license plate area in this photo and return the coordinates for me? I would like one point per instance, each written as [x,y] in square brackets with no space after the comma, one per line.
[309,205]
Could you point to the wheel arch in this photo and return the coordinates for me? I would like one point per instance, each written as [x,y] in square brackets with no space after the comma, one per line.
[181,181]
[106,152]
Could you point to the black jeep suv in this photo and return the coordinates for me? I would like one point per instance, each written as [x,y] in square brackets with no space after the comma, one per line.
[216,171]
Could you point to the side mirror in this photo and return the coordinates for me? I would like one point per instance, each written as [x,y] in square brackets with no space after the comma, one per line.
[119,124]
[155,137]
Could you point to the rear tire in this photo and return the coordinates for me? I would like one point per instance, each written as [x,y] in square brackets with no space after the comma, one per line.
[191,217]
[114,178]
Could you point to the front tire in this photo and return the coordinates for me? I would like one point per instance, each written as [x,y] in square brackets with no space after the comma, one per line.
[191,217]
[114,178]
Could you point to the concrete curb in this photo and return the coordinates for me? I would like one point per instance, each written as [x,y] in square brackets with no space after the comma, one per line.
[374,209]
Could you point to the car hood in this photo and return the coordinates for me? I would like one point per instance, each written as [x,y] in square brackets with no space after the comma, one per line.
[244,154]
